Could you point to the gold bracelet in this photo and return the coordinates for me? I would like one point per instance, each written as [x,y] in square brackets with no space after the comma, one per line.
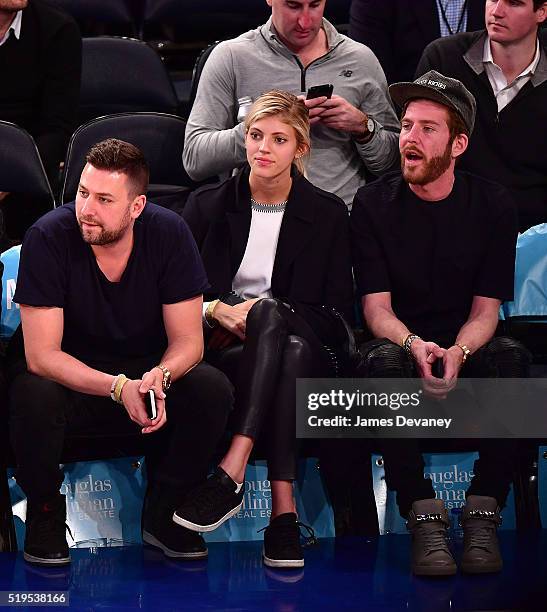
[209,313]
[122,379]
[465,350]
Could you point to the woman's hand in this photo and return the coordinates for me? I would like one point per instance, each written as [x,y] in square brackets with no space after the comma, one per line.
[234,318]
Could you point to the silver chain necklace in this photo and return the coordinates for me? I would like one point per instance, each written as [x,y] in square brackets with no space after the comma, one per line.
[268,208]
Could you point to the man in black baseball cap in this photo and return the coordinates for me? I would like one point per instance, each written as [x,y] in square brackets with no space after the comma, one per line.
[446,91]
[434,252]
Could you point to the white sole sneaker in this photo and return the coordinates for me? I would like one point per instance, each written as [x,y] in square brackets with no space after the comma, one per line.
[148,538]
[45,562]
[280,563]
[205,528]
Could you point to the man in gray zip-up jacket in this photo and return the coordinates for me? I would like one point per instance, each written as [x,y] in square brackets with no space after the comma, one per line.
[293,51]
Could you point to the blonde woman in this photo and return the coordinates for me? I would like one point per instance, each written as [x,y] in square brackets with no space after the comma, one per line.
[277,255]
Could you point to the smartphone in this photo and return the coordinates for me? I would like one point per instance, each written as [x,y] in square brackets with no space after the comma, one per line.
[320,90]
[150,403]
[437,369]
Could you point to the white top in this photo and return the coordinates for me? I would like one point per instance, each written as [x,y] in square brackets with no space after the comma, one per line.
[503,91]
[15,27]
[254,276]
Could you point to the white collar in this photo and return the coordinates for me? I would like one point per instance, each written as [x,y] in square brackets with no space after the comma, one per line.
[15,27]
[529,70]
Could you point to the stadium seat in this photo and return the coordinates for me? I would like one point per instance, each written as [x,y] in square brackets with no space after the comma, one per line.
[121,17]
[123,75]
[21,168]
[161,138]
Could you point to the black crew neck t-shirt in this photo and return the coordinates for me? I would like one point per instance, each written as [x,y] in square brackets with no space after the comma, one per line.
[106,322]
[434,257]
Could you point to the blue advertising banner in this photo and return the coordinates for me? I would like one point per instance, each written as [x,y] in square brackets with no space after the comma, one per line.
[104,501]
[10,310]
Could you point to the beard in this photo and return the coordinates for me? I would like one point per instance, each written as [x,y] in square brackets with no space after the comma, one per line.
[104,236]
[429,170]
[13,5]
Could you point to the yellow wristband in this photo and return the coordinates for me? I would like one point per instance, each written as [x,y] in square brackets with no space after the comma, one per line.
[209,313]
[122,379]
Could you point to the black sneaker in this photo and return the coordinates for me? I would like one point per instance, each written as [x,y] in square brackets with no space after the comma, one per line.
[159,530]
[212,503]
[45,536]
[282,546]
[177,542]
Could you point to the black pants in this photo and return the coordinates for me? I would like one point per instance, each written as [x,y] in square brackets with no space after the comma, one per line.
[43,413]
[279,348]
[403,463]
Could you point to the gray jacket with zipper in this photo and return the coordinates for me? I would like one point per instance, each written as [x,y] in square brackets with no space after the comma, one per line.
[256,62]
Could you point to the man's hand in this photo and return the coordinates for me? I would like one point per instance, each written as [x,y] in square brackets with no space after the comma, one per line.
[315,107]
[337,113]
[133,393]
[234,318]
[452,361]
[425,354]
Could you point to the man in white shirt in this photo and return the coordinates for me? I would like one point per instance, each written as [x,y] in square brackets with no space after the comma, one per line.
[505,67]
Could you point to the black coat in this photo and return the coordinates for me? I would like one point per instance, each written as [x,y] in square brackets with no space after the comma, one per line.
[41,80]
[398,31]
[312,262]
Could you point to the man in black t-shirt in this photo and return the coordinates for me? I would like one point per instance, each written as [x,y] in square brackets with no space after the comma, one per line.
[110,290]
[434,254]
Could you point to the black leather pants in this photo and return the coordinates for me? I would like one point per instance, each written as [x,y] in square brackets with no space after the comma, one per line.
[279,348]
[502,357]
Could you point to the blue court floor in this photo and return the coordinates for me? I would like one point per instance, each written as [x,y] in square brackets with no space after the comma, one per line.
[342,574]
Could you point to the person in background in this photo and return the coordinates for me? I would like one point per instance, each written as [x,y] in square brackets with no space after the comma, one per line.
[398,31]
[505,68]
[354,132]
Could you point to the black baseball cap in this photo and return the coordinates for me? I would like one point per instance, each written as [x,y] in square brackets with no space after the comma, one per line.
[442,89]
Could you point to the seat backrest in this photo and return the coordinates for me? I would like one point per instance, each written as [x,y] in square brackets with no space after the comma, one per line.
[205,21]
[119,16]
[158,135]
[21,168]
[123,75]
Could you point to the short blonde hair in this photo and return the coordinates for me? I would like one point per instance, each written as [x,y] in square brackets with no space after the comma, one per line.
[291,111]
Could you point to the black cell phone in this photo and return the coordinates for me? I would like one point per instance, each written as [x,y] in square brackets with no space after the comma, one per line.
[150,403]
[320,90]
[437,369]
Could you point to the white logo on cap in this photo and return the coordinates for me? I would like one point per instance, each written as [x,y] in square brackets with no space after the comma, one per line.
[431,83]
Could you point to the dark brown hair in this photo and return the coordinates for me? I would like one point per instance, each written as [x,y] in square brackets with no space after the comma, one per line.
[120,156]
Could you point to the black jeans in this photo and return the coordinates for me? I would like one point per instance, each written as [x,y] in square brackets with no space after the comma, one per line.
[403,463]
[43,413]
[279,348]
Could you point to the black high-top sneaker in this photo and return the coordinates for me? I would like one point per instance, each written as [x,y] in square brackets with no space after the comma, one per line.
[45,537]
[480,520]
[428,524]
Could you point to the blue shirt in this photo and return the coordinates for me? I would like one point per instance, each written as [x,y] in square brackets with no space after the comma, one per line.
[453,12]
